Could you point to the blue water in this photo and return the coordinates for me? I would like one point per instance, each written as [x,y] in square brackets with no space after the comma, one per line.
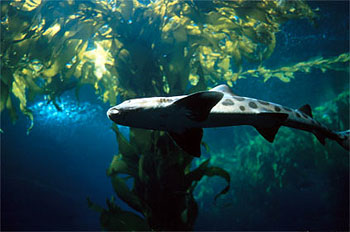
[47,175]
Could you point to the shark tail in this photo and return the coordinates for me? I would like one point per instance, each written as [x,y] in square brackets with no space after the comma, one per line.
[344,139]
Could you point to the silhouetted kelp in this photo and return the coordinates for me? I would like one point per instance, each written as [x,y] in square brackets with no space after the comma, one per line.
[163,183]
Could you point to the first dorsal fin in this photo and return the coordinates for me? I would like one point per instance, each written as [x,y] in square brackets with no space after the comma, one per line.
[198,105]
[306,109]
[224,89]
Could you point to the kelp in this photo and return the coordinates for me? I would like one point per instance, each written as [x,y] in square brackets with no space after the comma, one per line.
[50,47]
[114,218]
[131,49]
[203,170]
[162,183]
[286,73]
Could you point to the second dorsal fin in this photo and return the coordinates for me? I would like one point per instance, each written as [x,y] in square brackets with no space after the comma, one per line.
[306,109]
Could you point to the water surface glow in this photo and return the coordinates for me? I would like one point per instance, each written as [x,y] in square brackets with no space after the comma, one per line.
[70,112]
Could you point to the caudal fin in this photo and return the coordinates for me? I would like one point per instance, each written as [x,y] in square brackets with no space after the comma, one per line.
[344,139]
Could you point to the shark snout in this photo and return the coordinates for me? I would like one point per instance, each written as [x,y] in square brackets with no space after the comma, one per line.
[112,112]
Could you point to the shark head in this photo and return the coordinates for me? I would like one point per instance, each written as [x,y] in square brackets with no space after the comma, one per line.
[140,112]
[179,115]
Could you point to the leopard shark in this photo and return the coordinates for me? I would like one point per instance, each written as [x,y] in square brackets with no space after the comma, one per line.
[184,117]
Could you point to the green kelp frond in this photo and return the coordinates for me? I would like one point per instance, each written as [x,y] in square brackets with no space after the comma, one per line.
[46,55]
[286,74]
[163,184]
[116,219]
[131,49]
[204,170]
[218,35]
[335,113]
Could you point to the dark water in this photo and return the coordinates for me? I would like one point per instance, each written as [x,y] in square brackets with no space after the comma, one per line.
[47,175]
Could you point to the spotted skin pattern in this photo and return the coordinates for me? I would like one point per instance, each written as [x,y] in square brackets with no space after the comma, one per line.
[245,105]
[296,118]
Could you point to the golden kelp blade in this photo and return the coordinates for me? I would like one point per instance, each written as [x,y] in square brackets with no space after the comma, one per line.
[286,73]
[136,49]
[27,5]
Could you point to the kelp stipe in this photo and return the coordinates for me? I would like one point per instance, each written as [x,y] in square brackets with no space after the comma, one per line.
[163,184]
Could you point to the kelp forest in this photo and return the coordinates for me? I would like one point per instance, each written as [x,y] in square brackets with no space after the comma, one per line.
[126,49]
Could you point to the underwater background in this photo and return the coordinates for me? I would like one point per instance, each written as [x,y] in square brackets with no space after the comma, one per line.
[60,160]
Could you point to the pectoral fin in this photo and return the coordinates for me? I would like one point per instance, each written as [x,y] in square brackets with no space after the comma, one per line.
[198,105]
[189,141]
